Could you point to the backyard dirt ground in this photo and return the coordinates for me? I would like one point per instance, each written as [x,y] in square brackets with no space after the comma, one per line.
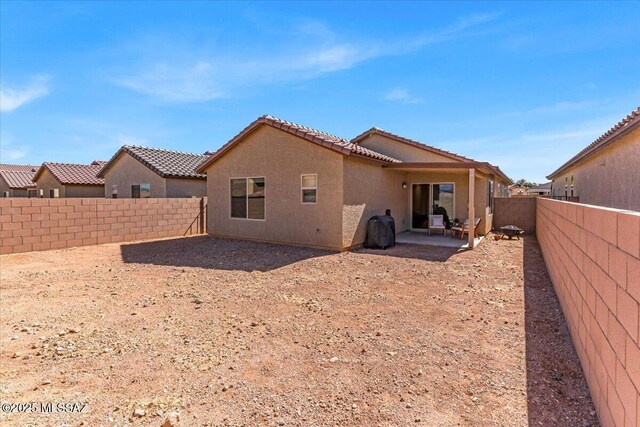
[226,332]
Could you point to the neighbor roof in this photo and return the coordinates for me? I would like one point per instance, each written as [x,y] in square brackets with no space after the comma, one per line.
[15,168]
[622,128]
[18,179]
[545,186]
[315,136]
[166,163]
[75,174]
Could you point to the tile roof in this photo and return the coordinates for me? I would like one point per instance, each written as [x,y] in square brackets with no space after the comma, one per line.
[315,136]
[69,173]
[166,163]
[364,135]
[23,168]
[18,179]
[624,126]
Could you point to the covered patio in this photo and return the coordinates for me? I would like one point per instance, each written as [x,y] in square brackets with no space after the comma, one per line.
[464,189]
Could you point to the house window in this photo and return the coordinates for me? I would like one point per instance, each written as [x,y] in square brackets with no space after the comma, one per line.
[54,193]
[31,193]
[247,198]
[141,191]
[5,194]
[309,188]
[114,191]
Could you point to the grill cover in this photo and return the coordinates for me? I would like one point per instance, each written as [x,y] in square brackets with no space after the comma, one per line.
[381,232]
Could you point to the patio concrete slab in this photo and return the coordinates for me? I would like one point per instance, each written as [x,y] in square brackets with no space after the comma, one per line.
[417,238]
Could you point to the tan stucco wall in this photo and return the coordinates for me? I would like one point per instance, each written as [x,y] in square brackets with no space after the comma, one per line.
[401,151]
[609,178]
[281,158]
[13,192]
[369,190]
[182,187]
[127,171]
[46,182]
[83,191]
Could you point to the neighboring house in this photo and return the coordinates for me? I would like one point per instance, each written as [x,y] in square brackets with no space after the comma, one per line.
[539,190]
[607,171]
[517,190]
[281,182]
[140,172]
[16,180]
[69,180]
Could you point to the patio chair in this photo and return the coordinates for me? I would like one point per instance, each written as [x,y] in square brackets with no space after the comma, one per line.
[436,222]
[465,228]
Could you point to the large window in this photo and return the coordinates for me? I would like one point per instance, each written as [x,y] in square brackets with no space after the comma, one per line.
[247,198]
[140,191]
[309,188]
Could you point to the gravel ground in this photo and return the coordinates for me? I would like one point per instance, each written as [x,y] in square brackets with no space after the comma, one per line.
[227,332]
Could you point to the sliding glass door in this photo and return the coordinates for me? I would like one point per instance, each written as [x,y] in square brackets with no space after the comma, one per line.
[431,199]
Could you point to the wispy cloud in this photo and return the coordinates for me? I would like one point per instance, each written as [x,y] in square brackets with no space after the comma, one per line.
[13,98]
[555,108]
[9,151]
[196,73]
[403,96]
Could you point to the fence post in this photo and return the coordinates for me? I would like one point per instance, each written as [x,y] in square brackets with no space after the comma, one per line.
[202,221]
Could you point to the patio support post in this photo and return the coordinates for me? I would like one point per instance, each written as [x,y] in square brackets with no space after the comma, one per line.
[472,207]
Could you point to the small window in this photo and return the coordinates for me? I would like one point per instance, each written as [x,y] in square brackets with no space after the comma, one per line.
[309,188]
[114,191]
[54,193]
[141,191]
[247,198]
[5,194]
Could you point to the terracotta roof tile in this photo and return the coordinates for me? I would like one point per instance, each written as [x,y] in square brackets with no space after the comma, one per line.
[18,179]
[327,140]
[24,168]
[69,173]
[166,163]
[630,122]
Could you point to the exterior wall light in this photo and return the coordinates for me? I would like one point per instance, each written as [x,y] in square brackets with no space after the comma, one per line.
[404,185]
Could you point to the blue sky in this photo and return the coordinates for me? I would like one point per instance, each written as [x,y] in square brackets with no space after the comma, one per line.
[521,85]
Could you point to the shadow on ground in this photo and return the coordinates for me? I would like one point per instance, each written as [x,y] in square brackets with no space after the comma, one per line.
[553,368]
[216,253]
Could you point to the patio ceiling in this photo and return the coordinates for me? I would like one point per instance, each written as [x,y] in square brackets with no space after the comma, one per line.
[483,167]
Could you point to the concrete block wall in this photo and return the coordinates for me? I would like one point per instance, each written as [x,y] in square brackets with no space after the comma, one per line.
[519,211]
[41,224]
[593,257]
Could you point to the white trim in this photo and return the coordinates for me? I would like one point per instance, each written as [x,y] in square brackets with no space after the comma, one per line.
[430,201]
[247,178]
[302,188]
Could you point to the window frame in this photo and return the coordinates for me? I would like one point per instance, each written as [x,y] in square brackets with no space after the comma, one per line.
[302,188]
[246,197]
[140,191]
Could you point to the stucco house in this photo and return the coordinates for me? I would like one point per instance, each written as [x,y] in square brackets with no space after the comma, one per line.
[141,172]
[607,171]
[55,180]
[517,190]
[539,190]
[16,180]
[278,181]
